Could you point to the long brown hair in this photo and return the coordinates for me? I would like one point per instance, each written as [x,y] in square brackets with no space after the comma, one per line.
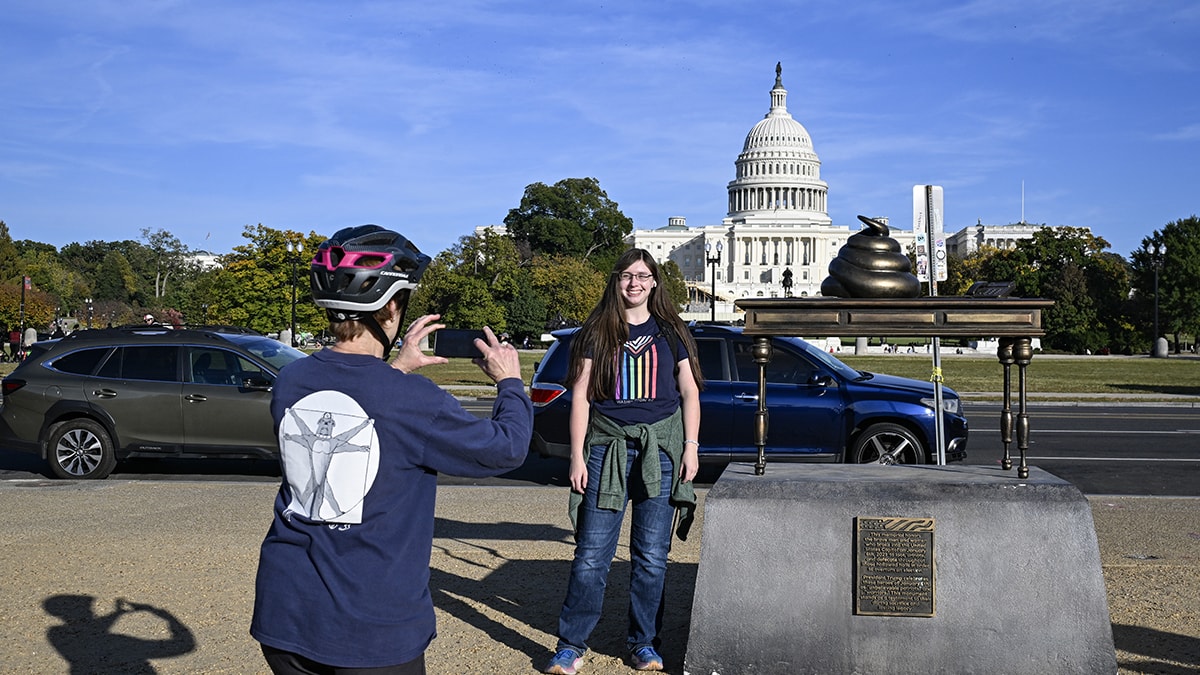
[605,330]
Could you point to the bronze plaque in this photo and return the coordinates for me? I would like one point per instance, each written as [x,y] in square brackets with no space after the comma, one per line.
[893,566]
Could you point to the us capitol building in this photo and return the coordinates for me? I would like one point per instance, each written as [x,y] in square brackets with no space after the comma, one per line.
[777,221]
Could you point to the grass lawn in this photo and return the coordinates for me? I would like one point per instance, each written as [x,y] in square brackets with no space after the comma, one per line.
[1114,375]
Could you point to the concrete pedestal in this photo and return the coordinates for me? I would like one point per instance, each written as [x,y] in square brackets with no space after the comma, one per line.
[1019,588]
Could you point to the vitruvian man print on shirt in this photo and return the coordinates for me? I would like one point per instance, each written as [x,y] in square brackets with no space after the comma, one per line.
[330,455]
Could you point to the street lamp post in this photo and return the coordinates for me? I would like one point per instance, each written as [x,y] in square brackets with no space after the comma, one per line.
[714,262]
[293,249]
[1157,253]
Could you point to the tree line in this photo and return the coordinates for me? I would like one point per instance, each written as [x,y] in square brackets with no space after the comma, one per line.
[1102,301]
[549,269]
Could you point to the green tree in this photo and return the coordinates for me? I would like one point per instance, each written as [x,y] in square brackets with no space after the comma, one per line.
[168,256]
[1179,279]
[473,283]
[10,269]
[67,286]
[1071,267]
[962,271]
[254,287]
[115,279]
[673,283]
[570,285]
[527,312]
[574,217]
[39,307]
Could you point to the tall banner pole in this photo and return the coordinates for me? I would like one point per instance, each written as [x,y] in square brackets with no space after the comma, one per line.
[931,267]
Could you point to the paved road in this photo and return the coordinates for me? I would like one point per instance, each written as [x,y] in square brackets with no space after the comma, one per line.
[1117,449]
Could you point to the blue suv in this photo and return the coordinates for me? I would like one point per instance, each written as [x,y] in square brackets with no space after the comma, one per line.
[820,409]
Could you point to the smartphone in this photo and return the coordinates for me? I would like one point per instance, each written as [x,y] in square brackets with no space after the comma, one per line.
[457,344]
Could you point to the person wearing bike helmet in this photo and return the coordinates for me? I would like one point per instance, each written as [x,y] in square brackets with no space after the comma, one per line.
[343,575]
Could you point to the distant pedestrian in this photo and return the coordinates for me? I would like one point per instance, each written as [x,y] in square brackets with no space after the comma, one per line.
[14,341]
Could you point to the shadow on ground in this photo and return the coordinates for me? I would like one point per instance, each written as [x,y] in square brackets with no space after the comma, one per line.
[531,592]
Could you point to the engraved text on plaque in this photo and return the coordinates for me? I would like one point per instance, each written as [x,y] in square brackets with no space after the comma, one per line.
[894,566]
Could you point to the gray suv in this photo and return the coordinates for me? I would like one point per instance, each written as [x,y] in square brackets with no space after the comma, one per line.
[85,401]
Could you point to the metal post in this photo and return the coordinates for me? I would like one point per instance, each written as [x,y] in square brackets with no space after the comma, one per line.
[89,304]
[1005,354]
[1157,253]
[24,285]
[714,262]
[293,249]
[1022,354]
[939,422]
[1154,338]
[762,356]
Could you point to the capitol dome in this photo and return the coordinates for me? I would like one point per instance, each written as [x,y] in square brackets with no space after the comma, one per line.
[778,172]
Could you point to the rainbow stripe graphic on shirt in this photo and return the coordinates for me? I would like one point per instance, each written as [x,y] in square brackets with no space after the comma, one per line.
[637,370]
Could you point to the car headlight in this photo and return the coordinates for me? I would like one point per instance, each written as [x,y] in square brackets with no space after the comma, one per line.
[950,405]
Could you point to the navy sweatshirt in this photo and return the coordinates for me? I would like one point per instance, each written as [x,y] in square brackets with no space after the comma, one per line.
[343,575]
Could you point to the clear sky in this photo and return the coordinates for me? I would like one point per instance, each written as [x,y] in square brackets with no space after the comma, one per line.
[202,117]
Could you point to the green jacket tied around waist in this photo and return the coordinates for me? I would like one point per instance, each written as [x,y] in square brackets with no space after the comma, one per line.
[666,434]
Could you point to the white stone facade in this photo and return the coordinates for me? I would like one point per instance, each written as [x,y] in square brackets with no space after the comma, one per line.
[974,237]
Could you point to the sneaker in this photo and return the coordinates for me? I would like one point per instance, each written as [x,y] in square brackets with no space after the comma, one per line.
[645,658]
[565,662]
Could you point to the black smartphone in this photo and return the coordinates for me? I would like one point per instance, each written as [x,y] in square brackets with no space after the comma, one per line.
[457,344]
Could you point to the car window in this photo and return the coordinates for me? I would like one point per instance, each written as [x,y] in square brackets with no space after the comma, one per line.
[81,362]
[785,367]
[713,364]
[273,352]
[221,366]
[159,363]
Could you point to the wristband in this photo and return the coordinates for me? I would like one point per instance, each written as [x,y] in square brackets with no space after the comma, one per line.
[695,443]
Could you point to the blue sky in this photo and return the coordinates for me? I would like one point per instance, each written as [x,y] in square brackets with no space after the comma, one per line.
[431,117]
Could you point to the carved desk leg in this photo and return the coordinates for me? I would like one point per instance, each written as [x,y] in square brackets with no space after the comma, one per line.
[1005,354]
[1022,354]
[762,355]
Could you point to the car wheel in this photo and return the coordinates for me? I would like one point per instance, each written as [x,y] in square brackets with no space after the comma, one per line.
[887,443]
[81,448]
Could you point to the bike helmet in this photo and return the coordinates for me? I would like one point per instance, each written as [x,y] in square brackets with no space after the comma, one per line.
[358,269]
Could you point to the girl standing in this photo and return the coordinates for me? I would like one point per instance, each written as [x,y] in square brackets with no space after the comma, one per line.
[635,418]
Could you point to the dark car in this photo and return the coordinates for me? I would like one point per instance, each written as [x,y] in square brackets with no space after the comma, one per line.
[85,401]
[820,409]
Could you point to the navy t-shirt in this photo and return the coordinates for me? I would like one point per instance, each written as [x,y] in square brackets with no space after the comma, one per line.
[645,390]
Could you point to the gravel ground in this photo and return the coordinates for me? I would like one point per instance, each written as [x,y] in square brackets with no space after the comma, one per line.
[145,577]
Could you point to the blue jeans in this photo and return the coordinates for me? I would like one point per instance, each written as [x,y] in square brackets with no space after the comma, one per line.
[596,543]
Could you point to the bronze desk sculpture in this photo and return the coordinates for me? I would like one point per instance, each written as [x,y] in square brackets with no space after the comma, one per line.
[1016,321]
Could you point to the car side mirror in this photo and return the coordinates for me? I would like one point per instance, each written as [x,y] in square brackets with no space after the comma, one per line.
[821,380]
[258,384]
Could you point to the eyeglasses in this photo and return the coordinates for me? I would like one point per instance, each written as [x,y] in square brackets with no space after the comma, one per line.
[626,277]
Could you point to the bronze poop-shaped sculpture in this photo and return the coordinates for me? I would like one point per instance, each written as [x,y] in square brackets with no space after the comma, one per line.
[871,265]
